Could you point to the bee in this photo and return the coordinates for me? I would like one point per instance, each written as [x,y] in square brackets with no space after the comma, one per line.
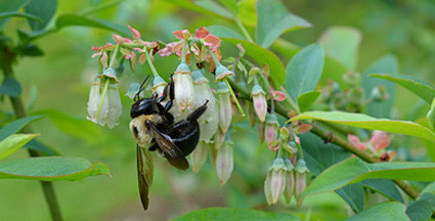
[154,128]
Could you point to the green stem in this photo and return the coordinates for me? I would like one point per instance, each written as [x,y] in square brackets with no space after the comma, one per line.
[103,96]
[234,97]
[150,63]
[113,57]
[18,107]
[243,29]
[183,52]
[325,135]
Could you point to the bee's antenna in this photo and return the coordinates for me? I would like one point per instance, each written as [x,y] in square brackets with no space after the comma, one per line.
[136,96]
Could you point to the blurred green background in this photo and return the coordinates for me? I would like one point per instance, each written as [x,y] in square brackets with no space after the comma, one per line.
[62,77]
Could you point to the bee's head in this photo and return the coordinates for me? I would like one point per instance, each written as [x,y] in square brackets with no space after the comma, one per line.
[144,106]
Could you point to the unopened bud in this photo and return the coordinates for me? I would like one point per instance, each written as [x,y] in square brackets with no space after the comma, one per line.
[219,138]
[260,103]
[301,180]
[199,156]
[224,161]
[290,182]
[271,130]
[260,132]
[224,106]
[274,185]
[379,94]
[352,78]
[284,134]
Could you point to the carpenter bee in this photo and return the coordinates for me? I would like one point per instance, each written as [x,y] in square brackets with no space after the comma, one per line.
[153,128]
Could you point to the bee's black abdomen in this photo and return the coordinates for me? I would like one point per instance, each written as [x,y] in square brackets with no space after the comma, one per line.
[185,135]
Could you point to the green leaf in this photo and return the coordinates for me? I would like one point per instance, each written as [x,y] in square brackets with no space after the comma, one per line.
[30,50]
[13,143]
[214,7]
[16,126]
[262,56]
[76,127]
[9,6]
[389,211]
[371,123]
[307,99]
[416,86]
[224,32]
[51,169]
[221,13]
[332,69]
[247,14]
[342,43]
[77,20]
[19,14]
[210,214]
[338,175]
[44,9]
[273,20]
[320,155]
[389,65]
[420,210]
[384,187]
[231,5]
[42,148]
[11,87]
[304,70]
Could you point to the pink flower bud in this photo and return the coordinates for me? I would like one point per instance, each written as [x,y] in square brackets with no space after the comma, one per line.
[201,32]
[271,130]
[301,180]
[134,32]
[274,185]
[260,103]
[279,96]
[303,128]
[224,106]
[199,156]
[356,142]
[183,91]
[182,34]
[379,140]
[224,161]
[118,39]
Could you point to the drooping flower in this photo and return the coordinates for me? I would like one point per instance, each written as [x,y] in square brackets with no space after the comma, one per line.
[274,185]
[301,180]
[224,160]
[159,85]
[224,106]
[260,103]
[199,155]
[208,122]
[271,131]
[104,104]
[183,91]
[290,182]
[379,140]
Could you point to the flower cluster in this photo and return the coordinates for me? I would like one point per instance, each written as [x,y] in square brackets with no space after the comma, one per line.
[287,175]
[202,77]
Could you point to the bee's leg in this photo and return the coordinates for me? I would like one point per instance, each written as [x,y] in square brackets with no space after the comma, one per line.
[153,147]
[198,112]
[165,111]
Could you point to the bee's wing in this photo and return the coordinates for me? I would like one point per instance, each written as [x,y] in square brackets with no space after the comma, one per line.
[145,170]
[174,155]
